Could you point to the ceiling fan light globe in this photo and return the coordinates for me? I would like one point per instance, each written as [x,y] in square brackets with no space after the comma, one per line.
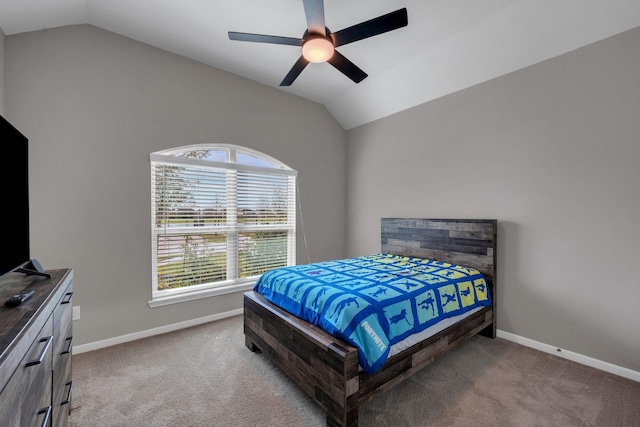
[317,49]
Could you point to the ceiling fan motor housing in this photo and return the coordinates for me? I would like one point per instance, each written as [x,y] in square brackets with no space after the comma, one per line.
[317,48]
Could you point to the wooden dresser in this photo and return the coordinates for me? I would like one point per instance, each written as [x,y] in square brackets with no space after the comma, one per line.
[35,341]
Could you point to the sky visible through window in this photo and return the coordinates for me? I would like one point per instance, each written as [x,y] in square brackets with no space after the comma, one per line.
[245,159]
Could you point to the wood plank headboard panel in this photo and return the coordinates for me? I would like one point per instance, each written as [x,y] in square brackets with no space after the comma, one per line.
[467,242]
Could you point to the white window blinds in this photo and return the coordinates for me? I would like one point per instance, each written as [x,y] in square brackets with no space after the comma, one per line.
[217,222]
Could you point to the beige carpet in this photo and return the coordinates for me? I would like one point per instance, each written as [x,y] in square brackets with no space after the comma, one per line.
[204,376]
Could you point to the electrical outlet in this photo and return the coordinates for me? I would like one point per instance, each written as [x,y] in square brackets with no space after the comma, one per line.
[76,312]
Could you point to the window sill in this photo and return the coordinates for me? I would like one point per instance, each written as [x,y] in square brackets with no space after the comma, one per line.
[206,293]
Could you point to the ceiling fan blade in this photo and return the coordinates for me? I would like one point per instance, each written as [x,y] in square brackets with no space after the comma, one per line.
[372,27]
[295,71]
[347,67]
[262,38]
[314,11]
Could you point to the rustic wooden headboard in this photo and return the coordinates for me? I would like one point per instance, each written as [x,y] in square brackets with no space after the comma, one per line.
[467,242]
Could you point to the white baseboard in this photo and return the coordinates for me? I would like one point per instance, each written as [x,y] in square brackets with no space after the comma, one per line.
[569,355]
[155,331]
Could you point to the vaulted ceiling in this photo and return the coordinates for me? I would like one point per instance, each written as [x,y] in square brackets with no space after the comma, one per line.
[447,46]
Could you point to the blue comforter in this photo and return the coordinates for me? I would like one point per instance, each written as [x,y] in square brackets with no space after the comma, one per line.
[377,300]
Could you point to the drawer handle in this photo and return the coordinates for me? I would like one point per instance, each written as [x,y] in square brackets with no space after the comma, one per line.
[68,350]
[68,399]
[40,358]
[45,420]
[68,296]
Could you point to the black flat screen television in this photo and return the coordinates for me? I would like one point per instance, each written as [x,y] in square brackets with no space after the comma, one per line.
[14,176]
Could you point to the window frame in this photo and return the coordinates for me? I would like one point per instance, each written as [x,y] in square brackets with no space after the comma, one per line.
[232,228]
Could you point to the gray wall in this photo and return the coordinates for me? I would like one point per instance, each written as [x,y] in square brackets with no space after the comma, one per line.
[94,105]
[553,152]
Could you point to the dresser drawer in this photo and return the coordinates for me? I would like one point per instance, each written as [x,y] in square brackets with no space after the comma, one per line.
[29,389]
[62,384]
[62,316]
[44,413]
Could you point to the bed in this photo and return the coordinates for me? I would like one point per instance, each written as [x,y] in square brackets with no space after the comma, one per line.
[328,369]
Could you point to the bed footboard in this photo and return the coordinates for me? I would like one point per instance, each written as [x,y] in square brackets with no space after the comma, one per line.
[323,366]
[326,368]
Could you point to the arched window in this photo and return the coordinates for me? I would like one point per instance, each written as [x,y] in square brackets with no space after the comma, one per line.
[221,216]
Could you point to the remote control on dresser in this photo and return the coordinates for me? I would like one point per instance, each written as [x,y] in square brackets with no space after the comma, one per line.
[18,298]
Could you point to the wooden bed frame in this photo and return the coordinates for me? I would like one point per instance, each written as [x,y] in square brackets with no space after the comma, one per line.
[327,368]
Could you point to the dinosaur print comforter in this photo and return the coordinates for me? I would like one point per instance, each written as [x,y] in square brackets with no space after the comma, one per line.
[375,301]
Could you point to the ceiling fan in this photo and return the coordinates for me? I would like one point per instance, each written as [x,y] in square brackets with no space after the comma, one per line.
[318,43]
